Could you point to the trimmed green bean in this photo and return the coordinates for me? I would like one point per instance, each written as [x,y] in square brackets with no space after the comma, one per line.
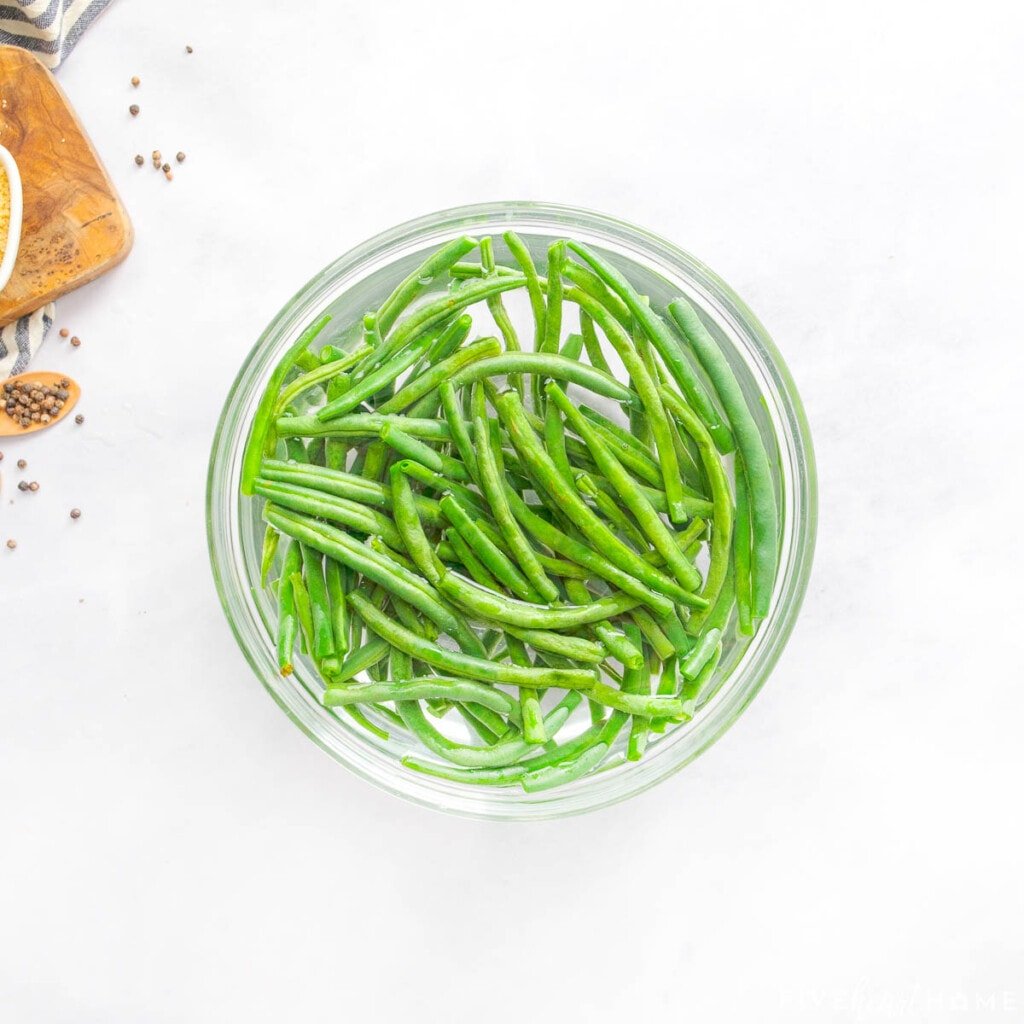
[764,516]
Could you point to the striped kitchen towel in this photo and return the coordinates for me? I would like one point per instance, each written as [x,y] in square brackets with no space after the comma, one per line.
[50,29]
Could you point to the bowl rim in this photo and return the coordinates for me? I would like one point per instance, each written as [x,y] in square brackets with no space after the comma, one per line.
[13,239]
[776,629]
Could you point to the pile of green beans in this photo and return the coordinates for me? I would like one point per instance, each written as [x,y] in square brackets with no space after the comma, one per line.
[452,526]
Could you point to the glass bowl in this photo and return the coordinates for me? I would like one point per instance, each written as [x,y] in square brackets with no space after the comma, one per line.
[358,282]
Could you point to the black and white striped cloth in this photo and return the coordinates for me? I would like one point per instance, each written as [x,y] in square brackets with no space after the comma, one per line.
[50,29]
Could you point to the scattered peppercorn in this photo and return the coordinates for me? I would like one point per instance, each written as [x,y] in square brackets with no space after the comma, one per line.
[139,159]
[22,463]
[22,485]
[157,158]
[12,543]
[34,486]
[135,80]
[134,110]
[76,341]
[76,513]
[64,332]
[79,419]
[188,49]
[180,157]
[169,174]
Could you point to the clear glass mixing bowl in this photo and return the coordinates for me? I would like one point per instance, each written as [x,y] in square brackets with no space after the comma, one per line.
[358,282]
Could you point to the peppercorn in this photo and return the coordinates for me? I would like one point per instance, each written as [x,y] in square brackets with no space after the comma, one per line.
[169,174]
[139,159]
[22,485]
[180,157]
[22,463]
[134,110]
[76,341]
[79,419]
[12,543]
[75,513]
[188,49]
[64,332]
[156,158]
[34,486]
[135,80]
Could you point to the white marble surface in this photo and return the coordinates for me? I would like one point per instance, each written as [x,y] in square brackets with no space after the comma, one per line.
[175,850]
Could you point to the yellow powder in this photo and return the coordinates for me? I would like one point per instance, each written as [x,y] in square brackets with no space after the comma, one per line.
[5,210]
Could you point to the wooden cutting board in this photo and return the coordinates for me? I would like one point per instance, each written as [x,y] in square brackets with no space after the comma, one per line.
[74,226]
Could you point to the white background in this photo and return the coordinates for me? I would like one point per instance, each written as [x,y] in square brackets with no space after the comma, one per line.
[173,849]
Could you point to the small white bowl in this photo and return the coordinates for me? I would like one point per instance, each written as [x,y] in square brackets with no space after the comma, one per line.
[14,227]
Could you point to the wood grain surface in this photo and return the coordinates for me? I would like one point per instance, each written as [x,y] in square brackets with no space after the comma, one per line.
[74,226]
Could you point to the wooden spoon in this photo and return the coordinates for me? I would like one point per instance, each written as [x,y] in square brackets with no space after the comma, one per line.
[10,427]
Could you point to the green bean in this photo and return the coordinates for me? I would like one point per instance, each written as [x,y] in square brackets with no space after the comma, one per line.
[441,484]
[560,774]
[295,449]
[421,688]
[373,382]
[554,442]
[410,527]
[555,539]
[650,523]
[261,435]
[551,341]
[591,343]
[457,427]
[721,536]
[438,311]
[607,506]
[340,510]
[575,648]
[691,665]
[485,348]
[496,607]
[631,452]
[355,425]
[693,688]
[271,539]
[494,303]
[741,553]
[410,618]
[378,569]
[650,400]
[332,374]
[636,681]
[465,554]
[652,632]
[587,281]
[303,611]
[572,347]
[412,448]
[359,659]
[346,485]
[320,607]
[531,714]
[334,574]
[287,617]
[534,288]
[505,752]
[493,486]
[466,665]
[573,506]
[644,705]
[764,521]
[407,290]
[617,643]
[547,365]
[665,342]
[449,339]
[498,564]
